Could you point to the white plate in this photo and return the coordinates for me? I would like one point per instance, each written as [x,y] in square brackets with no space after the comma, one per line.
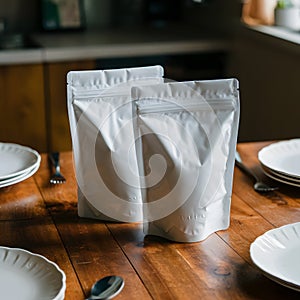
[281,175]
[16,160]
[281,178]
[28,276]
[282,157]
[276,253]
[19,178]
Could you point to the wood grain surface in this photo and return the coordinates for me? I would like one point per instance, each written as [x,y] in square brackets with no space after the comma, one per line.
[42,218]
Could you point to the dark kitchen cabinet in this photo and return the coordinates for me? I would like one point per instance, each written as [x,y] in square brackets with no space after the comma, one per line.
[56,102]
[22,105]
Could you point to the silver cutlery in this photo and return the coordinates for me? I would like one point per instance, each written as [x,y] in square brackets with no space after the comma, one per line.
[259,186]
[106,288]
[56,177]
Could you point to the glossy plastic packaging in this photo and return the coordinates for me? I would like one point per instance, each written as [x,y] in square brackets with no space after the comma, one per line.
[186,134]
[100,115]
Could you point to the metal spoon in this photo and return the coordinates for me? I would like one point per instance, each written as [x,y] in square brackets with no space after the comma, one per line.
[259,186]
[106,288]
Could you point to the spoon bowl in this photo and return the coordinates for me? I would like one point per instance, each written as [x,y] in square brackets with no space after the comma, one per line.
[106,288]
[262,187]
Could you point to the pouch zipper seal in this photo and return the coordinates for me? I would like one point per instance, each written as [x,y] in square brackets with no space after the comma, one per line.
[149,108]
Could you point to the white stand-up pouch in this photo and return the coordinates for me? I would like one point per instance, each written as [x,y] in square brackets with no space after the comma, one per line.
[100,115]
[186,135]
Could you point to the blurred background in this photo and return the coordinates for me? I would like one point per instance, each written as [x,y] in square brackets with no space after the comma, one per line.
[99,14]
[41,40]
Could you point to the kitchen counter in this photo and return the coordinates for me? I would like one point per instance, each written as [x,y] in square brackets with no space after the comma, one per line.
[278,37]
[113,43]
[21,56]
[279,33]
[110,43]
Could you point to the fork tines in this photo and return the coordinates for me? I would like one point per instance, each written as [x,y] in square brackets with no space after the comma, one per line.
[57,177]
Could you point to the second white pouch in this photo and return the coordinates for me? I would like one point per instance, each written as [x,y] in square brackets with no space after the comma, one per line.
[185,141]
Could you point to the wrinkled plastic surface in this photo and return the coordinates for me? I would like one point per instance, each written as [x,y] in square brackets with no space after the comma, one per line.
[100,114]
[165,159]
[186,138]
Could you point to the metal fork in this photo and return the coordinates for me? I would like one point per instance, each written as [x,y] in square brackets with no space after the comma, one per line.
[259,186]
[57,177]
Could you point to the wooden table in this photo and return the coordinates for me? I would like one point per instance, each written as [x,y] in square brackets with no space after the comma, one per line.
[43,219]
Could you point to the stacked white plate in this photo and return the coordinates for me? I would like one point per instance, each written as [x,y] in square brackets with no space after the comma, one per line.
[276,254]
[17,163]
[281,161]
[28,276]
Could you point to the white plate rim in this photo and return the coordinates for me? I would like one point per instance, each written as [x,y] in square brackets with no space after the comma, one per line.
[280,175]
[280,281]
[278,146]
[268,273]
[280,179]
[61,292]
[20,177]
[22,148]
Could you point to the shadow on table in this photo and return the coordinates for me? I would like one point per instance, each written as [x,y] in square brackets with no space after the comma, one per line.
[257,286]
